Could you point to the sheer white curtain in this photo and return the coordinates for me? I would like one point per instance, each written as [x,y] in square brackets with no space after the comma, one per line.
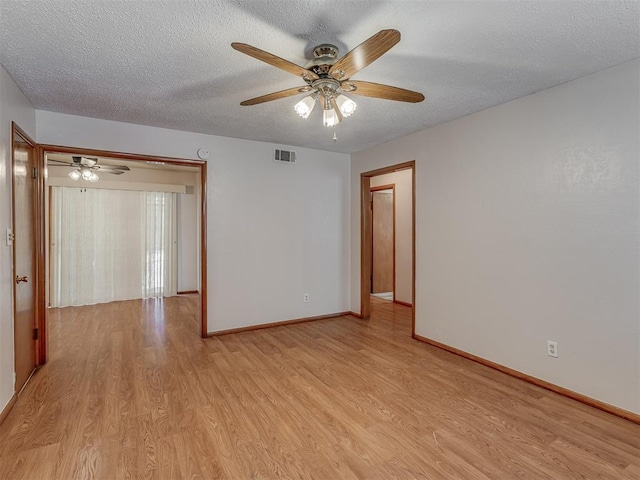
[109,245]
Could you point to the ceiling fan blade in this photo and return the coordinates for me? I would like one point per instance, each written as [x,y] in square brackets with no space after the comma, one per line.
[275,96]
[364,54]
[59,163]
[114,172]
[274,60]
[84,161]
[378,90]
[113,168]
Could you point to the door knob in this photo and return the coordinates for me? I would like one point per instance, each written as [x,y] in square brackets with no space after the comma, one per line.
[20,279]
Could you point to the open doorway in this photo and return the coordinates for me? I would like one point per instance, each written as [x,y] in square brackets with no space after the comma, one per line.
[388,237]
[163,201]
[383,241]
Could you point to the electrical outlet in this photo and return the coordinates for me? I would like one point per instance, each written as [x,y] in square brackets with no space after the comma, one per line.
[10,237]
[552,348]
[306,298]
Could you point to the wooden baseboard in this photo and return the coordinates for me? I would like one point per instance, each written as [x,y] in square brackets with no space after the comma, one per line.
[400,302]
[592,402]
[7,408]
[276,324]
[357,315]
[187,292]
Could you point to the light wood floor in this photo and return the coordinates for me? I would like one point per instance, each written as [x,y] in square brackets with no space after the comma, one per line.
[130,391]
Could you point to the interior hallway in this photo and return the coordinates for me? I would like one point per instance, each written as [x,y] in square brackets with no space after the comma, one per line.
[131,391]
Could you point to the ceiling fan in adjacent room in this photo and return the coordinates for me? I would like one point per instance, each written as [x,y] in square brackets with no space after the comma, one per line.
[85,168]
[328,78]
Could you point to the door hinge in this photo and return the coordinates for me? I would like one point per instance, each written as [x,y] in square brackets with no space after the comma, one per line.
[34,172]
[35,334]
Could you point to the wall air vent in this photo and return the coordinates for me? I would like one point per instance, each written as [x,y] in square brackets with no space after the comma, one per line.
[285,156]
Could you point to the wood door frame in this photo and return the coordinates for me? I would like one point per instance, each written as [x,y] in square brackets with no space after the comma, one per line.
[38,247]
[366,237]
[391,186]
[201,164]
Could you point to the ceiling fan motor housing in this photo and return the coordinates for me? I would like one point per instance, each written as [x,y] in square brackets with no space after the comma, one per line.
[328,89]
[325,56]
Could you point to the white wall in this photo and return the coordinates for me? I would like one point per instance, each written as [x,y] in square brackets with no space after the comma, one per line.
[403,226]
[188,242]
[14,106]
[275,231]
[527,229]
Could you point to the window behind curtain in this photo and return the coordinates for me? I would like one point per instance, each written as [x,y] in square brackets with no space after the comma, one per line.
[110,245]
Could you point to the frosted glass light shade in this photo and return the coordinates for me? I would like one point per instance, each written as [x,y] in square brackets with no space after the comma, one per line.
[346,105]
[75,175]
[304,106]
[94,178]
[330,118]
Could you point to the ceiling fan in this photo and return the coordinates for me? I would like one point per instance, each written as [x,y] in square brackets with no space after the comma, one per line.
[86,168]
[327,78]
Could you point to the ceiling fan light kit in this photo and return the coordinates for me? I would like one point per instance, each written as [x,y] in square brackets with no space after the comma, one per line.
[327,77]
[330,118]
[304,106]
[327,89]
[85,174]
[346,105]
[85,168]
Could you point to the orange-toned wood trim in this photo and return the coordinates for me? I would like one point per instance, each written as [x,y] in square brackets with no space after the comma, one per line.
[15,128]
[121,155]
[49,238]
[413,247]
[203,251]
[41,266]
[357,315]
[592,402]
[46,148]
[400,302]
[390,169]
[277,324]
[394,243]
[186,292]
[391,186]
[5,411]
[365,237]
[366,246]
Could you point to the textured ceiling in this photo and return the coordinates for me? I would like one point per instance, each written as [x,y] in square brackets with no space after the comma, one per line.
[170,64]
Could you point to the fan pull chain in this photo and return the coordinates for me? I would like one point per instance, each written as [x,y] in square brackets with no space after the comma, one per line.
[335,137]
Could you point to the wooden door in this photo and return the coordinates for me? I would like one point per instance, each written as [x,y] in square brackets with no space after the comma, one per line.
[24,248]
[383,238]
